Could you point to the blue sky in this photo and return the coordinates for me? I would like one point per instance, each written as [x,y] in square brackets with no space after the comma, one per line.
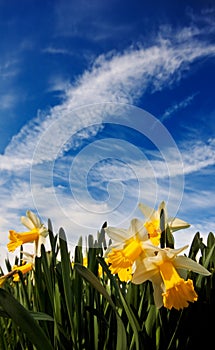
[103,105]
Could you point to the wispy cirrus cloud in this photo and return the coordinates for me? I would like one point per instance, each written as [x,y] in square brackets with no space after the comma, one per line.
[117,78]
[177,107]
[56,51]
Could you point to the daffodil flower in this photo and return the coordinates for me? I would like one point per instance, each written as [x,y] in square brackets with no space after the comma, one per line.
[37,233]
[152,223]
[164,270]
[128,246]
[26,267]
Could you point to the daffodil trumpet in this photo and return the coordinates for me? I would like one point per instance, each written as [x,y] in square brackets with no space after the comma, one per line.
[129,245]
[26,267]
[37,233]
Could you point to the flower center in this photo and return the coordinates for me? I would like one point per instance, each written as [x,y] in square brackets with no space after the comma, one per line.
[153,229]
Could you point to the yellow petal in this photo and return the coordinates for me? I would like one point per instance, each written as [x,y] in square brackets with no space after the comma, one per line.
[125,275]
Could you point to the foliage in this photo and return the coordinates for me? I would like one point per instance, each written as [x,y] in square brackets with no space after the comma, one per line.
[64,305]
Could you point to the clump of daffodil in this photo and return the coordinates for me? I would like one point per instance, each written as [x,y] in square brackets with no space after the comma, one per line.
[152,223]
[129,245]
[37,233]
[164,271]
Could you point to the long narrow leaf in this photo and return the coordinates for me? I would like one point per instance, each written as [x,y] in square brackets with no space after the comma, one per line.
[93,280]
[66,276]
[24,320]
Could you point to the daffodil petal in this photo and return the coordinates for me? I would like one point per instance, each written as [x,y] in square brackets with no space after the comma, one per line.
[137,228]
[147,211]
[113,246]
[158,299]
[34,218]
[29,258]
[26,221]
[177,224]
[186,263]
[117,234]
[173,252]
[162,206]
[142,273]
[38,244]
[43,231]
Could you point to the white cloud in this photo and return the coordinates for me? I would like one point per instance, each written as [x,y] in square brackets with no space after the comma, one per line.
[178,106]
[8,68]
[8,100]
[198,155]
[119,78]
[115,77]
[56,51]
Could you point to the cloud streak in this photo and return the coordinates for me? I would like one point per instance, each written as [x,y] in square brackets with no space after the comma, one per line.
[178,106]
[115,77]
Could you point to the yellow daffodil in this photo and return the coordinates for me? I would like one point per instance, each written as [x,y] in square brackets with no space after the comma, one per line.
[26,267]
[152,223]
[170,289]
[37,233]
[128,246]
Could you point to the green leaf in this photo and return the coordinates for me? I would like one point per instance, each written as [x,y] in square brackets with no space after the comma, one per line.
[41,316]
[66,276]
[210,240]
[93,280]
[151,320]
[24,320]
[132,319]
[206,264]
[195,246]
[169,238]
